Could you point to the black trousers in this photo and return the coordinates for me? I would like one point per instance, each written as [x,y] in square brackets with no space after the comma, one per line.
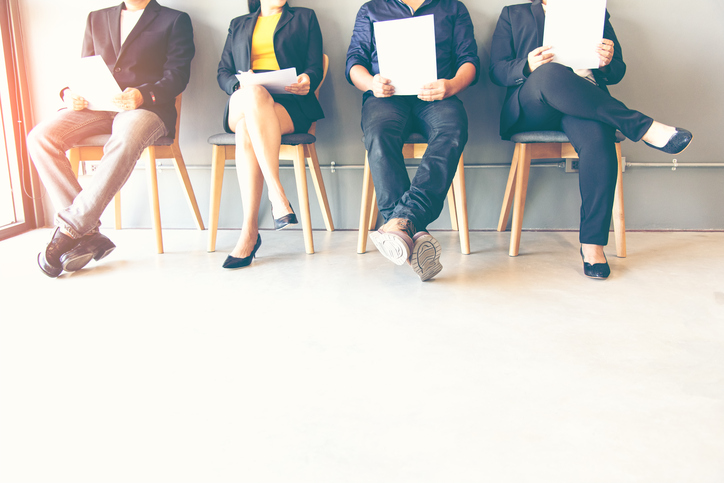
[556,98]
[386,123]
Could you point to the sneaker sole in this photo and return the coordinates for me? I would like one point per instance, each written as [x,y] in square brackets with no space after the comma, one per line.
[426,257]
[392,247]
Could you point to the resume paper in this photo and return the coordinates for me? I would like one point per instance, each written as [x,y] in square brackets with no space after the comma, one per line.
[574,28]
[406,53]
[92,80]
[274,80]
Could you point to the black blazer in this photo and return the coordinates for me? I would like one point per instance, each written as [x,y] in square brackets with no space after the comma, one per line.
[519,31]
[155,58]
[297,43]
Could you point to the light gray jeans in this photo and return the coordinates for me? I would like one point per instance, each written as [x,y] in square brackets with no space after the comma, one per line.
[79,210]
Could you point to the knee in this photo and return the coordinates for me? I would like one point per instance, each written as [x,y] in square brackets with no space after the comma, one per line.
[247,98]
[549,74]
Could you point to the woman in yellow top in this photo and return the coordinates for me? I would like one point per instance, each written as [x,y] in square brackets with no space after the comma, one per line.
[272,36]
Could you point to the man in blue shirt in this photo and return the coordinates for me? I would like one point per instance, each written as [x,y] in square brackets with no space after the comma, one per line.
[436,113]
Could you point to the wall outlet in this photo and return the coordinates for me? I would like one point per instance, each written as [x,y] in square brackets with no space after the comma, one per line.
[571,165]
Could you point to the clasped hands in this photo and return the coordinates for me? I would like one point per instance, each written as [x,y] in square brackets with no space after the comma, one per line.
[433,91]
[542,55]
[128,100]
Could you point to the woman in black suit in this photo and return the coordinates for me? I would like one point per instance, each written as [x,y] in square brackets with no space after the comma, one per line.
[272,36]
[543,95]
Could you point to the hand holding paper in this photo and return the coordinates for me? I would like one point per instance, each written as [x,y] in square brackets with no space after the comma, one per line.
[92,81]
[301,87]
[275,81]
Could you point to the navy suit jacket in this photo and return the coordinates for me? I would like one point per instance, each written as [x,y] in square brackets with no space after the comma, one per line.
[297,43]
[520,31]
[155,58]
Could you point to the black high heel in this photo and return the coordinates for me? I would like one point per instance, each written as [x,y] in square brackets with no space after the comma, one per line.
[286,220]
[599,271]
[233,262]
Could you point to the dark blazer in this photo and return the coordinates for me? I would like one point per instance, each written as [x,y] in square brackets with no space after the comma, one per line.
[519,31]
[297,43]
[155,58]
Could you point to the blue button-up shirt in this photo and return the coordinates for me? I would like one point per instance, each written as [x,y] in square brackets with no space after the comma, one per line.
[454,38]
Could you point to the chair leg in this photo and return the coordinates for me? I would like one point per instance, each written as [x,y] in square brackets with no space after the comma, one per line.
[521,188]
[509,191]
[217,179]
[365,212]
[74,158]
[310,152]
[619,221]
[149,156]
[183,175]
[117,209]
[451,194]
[303,195]
[462,208]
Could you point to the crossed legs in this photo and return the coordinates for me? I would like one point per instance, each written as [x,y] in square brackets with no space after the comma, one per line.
[258,123]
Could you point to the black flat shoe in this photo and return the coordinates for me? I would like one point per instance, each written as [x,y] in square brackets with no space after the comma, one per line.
[61,253]
[598,271]
[286,220]
[678,142]
[97,244]
[233,262]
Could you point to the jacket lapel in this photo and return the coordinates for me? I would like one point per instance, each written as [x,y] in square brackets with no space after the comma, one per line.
[540,18]
[114,27]
[287,15]
[149,14]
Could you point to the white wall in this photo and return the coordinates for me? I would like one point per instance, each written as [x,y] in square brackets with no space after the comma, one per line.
[674,69]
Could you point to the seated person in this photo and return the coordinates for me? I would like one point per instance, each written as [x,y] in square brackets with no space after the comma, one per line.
[157,46]
[387,119]
[273,36]
[543,95]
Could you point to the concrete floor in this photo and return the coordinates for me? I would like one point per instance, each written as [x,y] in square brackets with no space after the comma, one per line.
[344,368]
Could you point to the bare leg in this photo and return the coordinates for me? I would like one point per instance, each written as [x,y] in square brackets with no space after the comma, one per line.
[593,253]
[251,184]
[255,108]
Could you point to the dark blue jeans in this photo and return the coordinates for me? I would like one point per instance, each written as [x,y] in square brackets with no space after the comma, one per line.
[386,123]
[556,98]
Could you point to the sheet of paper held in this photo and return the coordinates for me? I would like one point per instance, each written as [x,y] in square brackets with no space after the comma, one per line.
[274,80]
[406,52]
[92,80]
[574,28]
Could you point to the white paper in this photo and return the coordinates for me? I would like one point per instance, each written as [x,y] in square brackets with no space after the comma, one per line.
[406,53]
[574,28]
[92,80]
[274,80]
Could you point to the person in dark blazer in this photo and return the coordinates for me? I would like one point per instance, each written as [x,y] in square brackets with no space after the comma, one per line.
[273,36]
[544,95]
[148,48]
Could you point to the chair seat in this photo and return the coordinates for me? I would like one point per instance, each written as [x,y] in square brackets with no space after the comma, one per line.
[102,139]
[529,137]
[229,139]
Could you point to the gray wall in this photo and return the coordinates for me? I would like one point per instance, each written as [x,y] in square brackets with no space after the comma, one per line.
[674,69]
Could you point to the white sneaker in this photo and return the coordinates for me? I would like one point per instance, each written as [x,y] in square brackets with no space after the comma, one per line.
[395,246]
[425,260]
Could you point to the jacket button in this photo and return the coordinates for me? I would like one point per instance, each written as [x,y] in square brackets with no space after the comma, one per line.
[117,69]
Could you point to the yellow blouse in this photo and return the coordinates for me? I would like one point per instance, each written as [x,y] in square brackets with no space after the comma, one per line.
[262,44]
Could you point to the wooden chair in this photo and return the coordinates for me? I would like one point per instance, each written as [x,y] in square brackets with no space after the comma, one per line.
[414,147]
[297,147]
[91,149]
[549,145]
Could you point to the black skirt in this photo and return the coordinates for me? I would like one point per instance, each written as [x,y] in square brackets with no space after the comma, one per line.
[289,102]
